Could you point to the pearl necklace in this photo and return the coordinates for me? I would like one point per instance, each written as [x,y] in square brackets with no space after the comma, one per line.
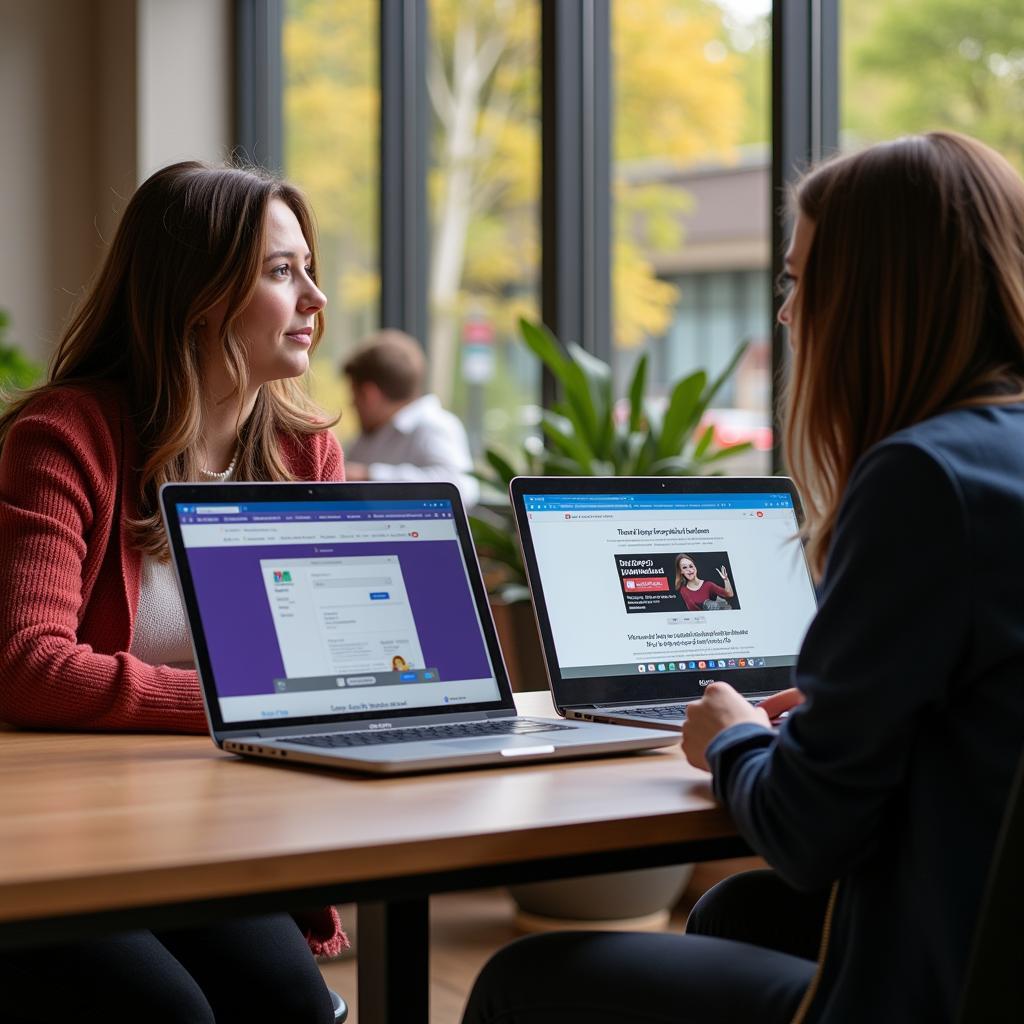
[225,474]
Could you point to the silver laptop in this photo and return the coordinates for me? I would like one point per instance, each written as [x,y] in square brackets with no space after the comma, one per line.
[347,625]
[647,589]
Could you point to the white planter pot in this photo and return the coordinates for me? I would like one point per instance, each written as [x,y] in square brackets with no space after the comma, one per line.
[623,899]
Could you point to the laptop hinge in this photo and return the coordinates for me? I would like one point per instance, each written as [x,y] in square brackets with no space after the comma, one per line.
[282,731]
[642,703]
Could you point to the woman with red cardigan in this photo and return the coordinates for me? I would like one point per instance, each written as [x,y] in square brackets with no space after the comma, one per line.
[185,362]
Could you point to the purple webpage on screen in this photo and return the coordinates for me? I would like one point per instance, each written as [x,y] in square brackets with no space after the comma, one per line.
[239,627]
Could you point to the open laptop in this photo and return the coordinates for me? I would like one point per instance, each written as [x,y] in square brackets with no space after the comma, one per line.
[647,589]
[347,625]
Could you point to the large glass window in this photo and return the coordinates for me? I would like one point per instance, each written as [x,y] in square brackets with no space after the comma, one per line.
[921,65]
[331,108]
[692,221]
[691,195]
[483,76]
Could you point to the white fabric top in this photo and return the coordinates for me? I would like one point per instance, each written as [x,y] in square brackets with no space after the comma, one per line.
[161,635]
[422,441]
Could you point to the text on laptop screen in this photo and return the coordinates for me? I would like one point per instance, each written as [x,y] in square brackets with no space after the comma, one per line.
[642,583]
[326,608]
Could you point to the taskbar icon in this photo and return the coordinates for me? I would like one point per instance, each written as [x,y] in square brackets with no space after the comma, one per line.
[701,664]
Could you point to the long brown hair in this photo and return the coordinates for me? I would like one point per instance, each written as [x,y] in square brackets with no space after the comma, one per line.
[911,303]
[192,236]
[680,579]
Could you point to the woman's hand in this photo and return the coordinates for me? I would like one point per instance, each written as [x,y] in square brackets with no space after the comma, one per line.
[724,573]
[780,703]
[720,707]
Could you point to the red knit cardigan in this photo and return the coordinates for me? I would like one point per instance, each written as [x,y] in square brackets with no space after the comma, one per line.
[68,486]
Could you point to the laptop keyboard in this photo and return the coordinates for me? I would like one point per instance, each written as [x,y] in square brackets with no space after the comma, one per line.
[662,711]
[667,710]
[416,734]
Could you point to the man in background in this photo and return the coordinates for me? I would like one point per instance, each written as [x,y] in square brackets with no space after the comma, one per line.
[406,435]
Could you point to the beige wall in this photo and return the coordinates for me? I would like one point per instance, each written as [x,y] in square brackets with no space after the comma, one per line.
[185,82]
[97,95]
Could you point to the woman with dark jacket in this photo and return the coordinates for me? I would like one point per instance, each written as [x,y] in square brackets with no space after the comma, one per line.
[878,800]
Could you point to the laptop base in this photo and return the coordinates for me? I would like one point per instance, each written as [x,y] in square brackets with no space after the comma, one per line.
[587,739]
[655,716]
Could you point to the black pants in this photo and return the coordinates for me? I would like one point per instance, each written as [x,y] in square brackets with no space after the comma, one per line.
[253,970]
[754,963]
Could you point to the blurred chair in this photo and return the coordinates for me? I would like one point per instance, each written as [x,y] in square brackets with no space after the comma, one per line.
[340,1007]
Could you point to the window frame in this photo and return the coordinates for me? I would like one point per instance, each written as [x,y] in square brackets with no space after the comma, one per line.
[576,151]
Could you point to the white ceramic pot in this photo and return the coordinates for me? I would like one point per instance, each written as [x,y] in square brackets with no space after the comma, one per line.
[623,899]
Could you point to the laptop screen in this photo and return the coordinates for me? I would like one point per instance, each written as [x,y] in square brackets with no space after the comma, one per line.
[326,608]
[638,587]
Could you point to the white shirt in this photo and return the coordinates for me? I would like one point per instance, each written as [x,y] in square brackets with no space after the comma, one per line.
[422,441]
[161,635]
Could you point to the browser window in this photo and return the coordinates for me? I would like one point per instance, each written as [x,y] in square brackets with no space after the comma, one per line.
[319,608]
[640,584]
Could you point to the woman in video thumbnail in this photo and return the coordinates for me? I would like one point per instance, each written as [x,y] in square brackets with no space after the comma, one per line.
[186,361]
[878,800]
[698,594]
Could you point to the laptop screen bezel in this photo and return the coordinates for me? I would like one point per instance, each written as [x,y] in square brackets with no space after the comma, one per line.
[171,495]
[586,691]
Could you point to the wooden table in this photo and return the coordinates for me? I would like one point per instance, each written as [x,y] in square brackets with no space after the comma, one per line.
[102,833]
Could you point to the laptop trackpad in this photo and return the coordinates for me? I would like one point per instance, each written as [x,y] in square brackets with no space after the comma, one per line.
[497,743]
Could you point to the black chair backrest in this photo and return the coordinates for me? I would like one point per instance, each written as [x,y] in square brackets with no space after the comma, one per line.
[994,987]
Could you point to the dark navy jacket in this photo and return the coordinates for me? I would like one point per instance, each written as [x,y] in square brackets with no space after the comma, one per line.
[893,776]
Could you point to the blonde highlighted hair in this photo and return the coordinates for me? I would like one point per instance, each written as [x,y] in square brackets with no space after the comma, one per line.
[192,236]
[910,303]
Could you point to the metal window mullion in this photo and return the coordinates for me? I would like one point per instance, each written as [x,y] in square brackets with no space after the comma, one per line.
[259,77]
[805,129]
[404,137]
[576,135]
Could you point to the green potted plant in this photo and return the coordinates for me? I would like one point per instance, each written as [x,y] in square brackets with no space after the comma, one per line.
[587,435]
[16,372]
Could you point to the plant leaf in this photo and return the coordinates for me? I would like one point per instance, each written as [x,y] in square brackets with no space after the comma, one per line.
[578,399]
[704,442]
[497,545]
[681,415]
[501,467]
[678,465]
[726,453]
[717,383]
[654,417]
[542,342]
[636,394]
[559,430]
[559,465]
[597,371]
[645,457]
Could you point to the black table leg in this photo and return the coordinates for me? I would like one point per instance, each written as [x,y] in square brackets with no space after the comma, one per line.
[394,962]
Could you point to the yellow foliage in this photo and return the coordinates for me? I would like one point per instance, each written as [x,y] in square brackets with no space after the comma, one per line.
[678,96]
[643,303]
[359,286]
